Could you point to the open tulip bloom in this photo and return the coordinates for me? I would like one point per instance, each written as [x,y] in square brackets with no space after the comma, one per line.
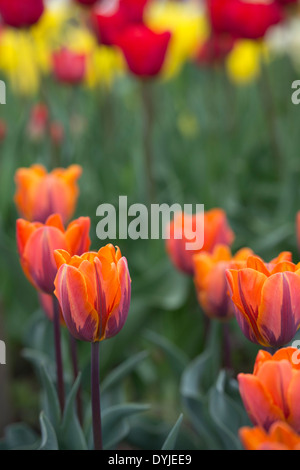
[94,292]
[267,299]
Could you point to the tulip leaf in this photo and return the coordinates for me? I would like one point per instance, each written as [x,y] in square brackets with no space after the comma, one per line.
[50,398]
[170,442]
[119,373]
[19,436]
[178,359]
[71,436]
[115,417]
[227,414]
[48,440]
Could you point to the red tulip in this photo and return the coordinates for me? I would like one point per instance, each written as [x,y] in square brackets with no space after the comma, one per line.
[38,121]
[69,67]
[110,19]
[37,242]
[21,13]
[215,49]
[244,19]
[133,9]
[143,49]
[86,2]
[3,130]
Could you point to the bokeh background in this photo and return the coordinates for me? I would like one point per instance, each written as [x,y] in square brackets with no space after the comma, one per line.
[225,133]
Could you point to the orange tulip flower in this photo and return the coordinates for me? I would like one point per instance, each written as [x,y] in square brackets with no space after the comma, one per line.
[271,393]
[40,194]
[280,437]
[94,292]
[210,279]
[267,299]
[216,231]
[46,302]
[37,242]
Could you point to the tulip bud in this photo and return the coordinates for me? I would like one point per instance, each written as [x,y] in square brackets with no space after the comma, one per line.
[21,13]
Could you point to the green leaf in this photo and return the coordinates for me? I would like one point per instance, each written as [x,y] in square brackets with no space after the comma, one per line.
[115,417]
[227,414]
[48,440]
[119,373]
[70,434]
[177,358]
[19,436]
[170,442]
[50,398]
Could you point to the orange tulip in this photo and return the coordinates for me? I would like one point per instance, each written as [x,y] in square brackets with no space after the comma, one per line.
[40,194]
[216,231]
[94,292]
[267,299]
[271,393]
[37,242]
[210,279]
[280,437]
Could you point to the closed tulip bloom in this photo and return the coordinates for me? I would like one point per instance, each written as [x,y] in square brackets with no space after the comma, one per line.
[94,292]
[280,437]
[216,231]
[36,244]
[21,13]
[144,50]
[69,67]
[111,18]
[210,279]
[133,9]
[271,393]
[244,19]
[267,299]
[86,2]
[40,194]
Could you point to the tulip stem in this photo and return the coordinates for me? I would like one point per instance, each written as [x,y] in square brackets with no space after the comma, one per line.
[74,358]
[96,407]
[58,354]
[147,100]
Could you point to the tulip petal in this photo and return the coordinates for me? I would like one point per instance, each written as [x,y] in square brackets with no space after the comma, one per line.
[279,312]
[258,402]
[293,402]
[275,376]
[246,286]
[80,316]
[118,316]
